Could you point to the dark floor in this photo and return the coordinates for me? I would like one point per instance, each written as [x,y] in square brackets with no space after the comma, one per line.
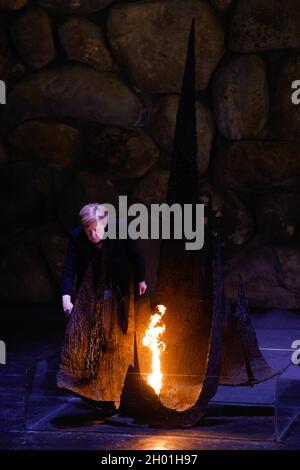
[226,427]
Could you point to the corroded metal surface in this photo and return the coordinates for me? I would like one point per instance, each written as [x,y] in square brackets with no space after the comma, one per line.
[113,361]
[191,363]
[242,360]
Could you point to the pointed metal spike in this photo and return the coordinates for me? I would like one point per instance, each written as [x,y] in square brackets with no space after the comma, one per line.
[183,181]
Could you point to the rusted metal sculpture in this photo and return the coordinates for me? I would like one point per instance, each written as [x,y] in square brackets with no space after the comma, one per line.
[105,383]
[206,343]
[242,361]
[193,364]
[192,295]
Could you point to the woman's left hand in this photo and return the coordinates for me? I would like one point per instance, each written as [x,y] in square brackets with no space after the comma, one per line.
[142,287]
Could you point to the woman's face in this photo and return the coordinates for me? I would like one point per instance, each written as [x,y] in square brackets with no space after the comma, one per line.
[95,229]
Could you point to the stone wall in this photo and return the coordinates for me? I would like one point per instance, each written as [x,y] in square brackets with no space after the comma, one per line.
[92,98]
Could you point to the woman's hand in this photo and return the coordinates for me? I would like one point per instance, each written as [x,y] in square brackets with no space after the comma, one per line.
[67,304]
[142,287]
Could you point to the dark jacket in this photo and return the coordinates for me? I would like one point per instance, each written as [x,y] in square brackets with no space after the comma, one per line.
[124,257]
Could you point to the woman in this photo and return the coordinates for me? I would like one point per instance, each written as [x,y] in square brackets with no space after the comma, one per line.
[85,246]
[100,279]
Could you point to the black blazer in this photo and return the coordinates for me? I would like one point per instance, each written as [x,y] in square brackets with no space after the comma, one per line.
[125,257]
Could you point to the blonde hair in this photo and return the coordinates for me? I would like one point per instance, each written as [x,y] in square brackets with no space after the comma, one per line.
[92,212]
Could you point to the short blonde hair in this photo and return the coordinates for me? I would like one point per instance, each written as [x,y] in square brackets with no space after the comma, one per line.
[92,212]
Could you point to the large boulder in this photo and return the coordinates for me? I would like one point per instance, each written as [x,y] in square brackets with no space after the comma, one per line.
[75,6]
[232,219]
[73,91]
[163,122]
[84,188]
[257,166]
[11,68]
[221,5]
[83,41]
[25,197]
[124,155]
[150,40]
[271,275]
[259,25]
[240,97]
[286,113]
[277,215]
[24,275]
[152,188]
[33,37]
[54,143]
[13,4]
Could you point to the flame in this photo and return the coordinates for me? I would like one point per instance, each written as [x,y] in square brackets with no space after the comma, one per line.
[152,340]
